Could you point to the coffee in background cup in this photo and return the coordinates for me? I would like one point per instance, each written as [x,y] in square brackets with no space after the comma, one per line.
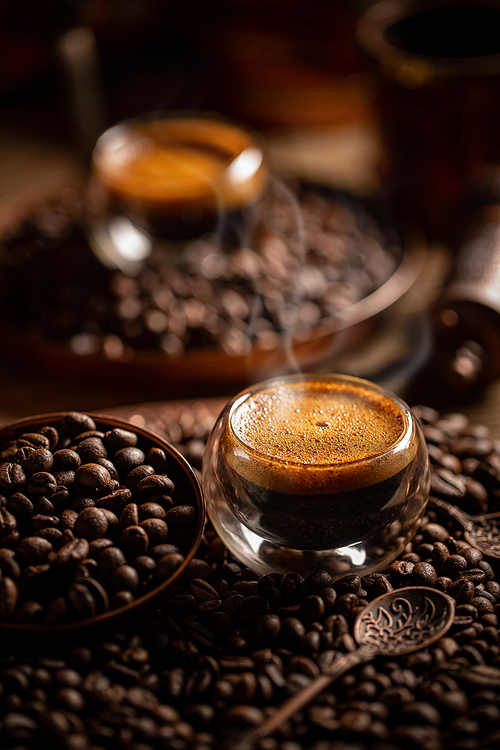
[178,174]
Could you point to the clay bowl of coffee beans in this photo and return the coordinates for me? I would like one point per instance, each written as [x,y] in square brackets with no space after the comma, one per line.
[98,520]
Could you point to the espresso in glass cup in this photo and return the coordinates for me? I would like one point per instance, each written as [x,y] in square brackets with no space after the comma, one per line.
[306,472]
[179,174]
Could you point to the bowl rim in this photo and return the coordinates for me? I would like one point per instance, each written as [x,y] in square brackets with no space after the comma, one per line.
[9,431]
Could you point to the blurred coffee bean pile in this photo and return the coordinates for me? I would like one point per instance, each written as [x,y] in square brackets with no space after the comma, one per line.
[224,651]
[310,255]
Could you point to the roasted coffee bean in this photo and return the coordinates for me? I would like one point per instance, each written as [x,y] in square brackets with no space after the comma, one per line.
[34,460]
[91,524]
[128,458]
[181,517]
[93,476]
[123,578]
[134,541]
[424,574]
[156,529]
[167,565]
[155,483]
[453,566]
[34,549]
[118,438]
[116,501]
[158,458]
[66,460]
[12,477]
[73,553]
[42,483]
[91,449]
[8,597]
[129,516]
[151,510]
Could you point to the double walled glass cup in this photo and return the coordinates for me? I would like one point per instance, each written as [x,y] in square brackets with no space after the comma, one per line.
[307,472]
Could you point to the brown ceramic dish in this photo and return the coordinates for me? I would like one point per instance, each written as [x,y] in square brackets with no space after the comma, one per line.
[185,481]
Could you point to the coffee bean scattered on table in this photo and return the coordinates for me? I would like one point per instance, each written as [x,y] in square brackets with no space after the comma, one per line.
[312,256]
[89,520]
[225,651]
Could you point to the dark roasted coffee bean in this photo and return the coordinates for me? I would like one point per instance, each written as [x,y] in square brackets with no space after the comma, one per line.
[376,584]
[34,549]
[462,591]
[91,449]
[475,575]
[446,484]
[487,570]
[433,532]
[439,553]
[93,475]
[91,524]
[167,565]
[8,598]
[77,422]
[129,516]
[311,608]
[109,559]
[482,604]
[66,460]
[424,574]
[72,553]
[349,584]
[160,550]
[115,501]
[472,555]
[34,439]
[118,438]
[128,458]
[123,578]
[145,566]
[202,590]
[453,566]
[20,505]
[158,459]
[34,459]
[134,476]
[134,541]
[315,581]
[155,483]
[37,522]
[12,477]
[151,510]
[156,529]
[181,517]
[42,483]
[81,600]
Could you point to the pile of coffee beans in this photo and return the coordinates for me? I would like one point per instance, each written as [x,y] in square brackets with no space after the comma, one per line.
[223,653]
[90,520]
[312,255]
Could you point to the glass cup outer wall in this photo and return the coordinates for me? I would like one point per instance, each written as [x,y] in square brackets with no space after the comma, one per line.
[261,540]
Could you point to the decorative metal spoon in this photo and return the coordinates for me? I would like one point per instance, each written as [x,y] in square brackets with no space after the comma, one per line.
[396,623]
[482,532]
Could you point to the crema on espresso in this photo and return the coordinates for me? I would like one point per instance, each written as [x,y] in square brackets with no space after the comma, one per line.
[318,436]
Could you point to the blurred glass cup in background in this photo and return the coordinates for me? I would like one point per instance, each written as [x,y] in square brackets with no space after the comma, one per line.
[172,176]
